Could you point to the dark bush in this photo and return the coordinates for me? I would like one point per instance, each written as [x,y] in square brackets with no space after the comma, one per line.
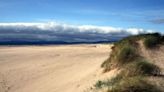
[151,42]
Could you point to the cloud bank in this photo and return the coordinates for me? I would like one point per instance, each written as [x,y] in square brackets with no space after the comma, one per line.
[63,32]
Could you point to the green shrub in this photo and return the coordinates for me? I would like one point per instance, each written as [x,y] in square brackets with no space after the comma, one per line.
[141,67]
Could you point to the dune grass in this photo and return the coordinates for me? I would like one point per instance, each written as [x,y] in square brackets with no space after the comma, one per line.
[127,84]
[152,41]
[133,84]
[118,58]
[140,67]
[125,50]
[126,54]
[108,83]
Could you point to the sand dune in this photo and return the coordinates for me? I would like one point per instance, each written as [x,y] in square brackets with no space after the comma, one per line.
[155,56]
[69,68]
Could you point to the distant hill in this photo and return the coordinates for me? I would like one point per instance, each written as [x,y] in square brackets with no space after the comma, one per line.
[62,39]
[49,42]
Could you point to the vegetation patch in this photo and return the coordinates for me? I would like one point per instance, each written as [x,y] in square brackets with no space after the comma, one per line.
[126,84]
[106,65]
[108,83]
[133,84]
[141,67]
[118,58]
[151,42]
[125,50]
[126,55]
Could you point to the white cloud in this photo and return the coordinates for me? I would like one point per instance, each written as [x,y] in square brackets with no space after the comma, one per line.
[61,31]
[53,26]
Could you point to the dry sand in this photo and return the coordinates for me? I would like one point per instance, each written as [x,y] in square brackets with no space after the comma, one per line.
[64,68]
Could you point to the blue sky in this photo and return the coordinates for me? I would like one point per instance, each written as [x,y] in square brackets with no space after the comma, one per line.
[146,14]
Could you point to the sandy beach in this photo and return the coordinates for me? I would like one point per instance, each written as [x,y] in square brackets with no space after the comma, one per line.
[62,68]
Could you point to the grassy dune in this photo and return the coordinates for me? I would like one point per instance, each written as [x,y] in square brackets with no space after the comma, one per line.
[135,69]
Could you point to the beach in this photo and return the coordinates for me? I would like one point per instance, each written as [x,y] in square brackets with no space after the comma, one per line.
[54,68]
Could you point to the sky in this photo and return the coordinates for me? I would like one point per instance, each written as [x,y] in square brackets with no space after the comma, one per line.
[113,15]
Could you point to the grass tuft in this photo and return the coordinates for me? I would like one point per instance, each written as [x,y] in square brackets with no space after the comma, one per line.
[133,84]
[151,41]
[126,55]
[117,59]
[108,83]
[141,67]
[127,84]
